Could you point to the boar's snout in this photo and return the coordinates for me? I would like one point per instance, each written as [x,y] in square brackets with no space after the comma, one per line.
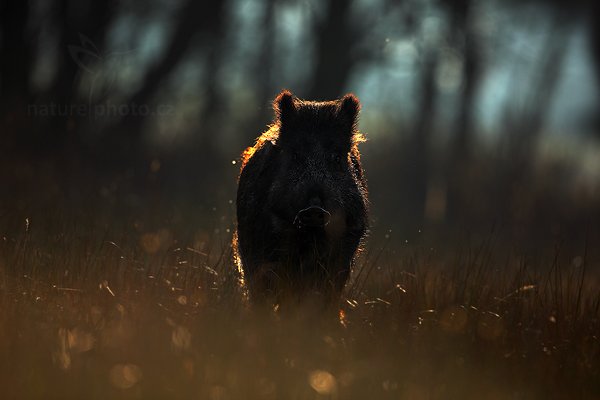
[312,217]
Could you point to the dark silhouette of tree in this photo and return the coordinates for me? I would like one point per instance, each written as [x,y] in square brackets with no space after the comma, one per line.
[334,39]
[594,32]
[198,23]
[524,127]
[210,114]
[263,71]
[201,153]
[463,31]
[418,158]
[76,22]
[15,68]
[464,39]
[16,49]
[595,37]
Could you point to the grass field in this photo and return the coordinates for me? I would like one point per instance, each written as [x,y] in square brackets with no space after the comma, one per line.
[94,312]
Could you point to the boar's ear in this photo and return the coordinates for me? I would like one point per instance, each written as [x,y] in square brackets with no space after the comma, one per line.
[284,107]
[348,109]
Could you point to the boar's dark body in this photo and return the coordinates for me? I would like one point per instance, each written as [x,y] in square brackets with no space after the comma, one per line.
[302,201]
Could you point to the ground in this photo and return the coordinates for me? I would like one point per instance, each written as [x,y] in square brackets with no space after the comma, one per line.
[115,313]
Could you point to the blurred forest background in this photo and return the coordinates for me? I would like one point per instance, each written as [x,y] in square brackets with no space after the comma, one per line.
[480,115]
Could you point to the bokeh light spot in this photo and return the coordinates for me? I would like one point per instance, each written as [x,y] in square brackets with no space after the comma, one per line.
[322,382]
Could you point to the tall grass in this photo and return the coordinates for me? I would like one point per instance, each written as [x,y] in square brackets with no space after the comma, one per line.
[92,311]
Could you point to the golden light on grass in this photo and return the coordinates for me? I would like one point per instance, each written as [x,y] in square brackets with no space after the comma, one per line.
[125,376]
[322,382]
[88,332]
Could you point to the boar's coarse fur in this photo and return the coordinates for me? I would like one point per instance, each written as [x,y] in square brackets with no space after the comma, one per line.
[302,201]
